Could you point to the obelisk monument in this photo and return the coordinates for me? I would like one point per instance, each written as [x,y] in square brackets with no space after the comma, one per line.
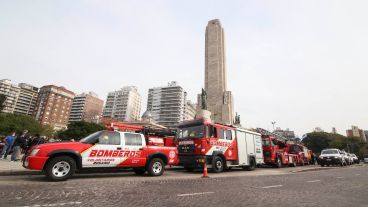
[220,100]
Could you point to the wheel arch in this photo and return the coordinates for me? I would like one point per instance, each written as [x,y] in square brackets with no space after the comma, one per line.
[65,152]
[158,155]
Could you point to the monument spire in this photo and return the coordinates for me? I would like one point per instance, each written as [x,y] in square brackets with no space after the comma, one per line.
[220,101]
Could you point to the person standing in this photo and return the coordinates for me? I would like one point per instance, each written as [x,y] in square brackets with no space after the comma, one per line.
[20,142]
[36,141]
[8,144]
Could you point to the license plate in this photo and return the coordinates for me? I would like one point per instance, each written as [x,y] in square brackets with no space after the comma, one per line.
[328,159]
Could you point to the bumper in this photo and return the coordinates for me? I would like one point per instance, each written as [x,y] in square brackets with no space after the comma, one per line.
[193,161]
[34,162]
[329,161]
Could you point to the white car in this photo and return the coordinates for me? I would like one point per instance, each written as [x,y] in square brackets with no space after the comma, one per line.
[331,157]
[345,157]
[351,159]
[355,158]
[366,160]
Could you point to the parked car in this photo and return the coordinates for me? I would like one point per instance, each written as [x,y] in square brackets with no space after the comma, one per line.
[351,160]
[365,160]
[331,157]
[345,157]
[355,158]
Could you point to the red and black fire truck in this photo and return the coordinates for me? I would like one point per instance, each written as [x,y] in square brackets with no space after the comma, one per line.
[279,151]
[218,146]
[120,146]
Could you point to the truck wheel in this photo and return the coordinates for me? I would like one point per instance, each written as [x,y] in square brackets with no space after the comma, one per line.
[156,167]
[217,164]
[139,170]
[60,168]
[252,165]
[278,163]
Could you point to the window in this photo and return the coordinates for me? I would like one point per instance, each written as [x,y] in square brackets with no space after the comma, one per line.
[133,139]
[220,134]
[109,138]
[228,135]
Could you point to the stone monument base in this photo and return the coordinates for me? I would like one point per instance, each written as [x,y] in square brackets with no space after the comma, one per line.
[204,114]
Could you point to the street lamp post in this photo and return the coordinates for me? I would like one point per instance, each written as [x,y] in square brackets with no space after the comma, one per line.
[273,125]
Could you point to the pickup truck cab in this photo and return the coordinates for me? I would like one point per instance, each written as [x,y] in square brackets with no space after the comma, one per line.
[102,149]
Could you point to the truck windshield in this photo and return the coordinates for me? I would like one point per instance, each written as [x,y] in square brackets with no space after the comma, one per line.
[191,132]
[329,152]
[266,142]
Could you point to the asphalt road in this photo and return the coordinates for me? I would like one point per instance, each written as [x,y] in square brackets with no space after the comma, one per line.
[346,187]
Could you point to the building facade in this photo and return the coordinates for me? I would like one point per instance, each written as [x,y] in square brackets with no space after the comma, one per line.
[285,133]
[356,132]
[27,99]
[190,110]
[53,106]
[86,107]
[11,93]
[167,104]
[219,99]
[123,104]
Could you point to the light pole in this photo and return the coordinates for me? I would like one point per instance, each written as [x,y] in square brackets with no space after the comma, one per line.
[273,125]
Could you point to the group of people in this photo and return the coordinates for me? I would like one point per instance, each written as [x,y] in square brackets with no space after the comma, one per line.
[18,143]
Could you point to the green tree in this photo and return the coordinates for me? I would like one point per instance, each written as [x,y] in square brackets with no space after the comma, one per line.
[18,123]
[2,100]
[78,130]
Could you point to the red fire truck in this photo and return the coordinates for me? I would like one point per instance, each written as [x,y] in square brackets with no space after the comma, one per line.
[276,150]
[219,146]
[131,147]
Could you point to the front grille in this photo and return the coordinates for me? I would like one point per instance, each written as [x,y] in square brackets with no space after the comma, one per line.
[186,149]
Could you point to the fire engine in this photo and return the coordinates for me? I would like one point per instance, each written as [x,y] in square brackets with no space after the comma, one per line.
[120,146]
[279,151]
[218,146]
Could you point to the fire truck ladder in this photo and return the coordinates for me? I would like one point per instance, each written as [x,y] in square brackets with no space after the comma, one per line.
[141,129]
[277,136]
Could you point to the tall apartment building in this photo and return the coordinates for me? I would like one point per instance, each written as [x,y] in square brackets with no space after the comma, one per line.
[11,92]
[356,132]
[167,104]
[27,99]
[86,107]
[123,104]
[53,106]
[190,110]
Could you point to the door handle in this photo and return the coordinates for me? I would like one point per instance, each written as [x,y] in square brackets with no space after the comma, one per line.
[141,148]
[119,148]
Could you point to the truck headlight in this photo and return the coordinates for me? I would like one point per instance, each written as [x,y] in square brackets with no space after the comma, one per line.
[336,157]
[34,152]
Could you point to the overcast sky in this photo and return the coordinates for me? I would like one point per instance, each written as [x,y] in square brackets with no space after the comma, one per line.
[302,64]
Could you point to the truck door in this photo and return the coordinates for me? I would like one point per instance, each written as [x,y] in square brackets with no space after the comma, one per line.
[134,146]
[243,158]
[104,152]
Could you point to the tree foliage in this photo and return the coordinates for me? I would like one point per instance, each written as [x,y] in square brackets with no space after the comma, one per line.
[78,130]
[18,123]
[317,141]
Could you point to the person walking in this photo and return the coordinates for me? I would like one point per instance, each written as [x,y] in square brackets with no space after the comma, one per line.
[36,141]
[8,144]
[20,142]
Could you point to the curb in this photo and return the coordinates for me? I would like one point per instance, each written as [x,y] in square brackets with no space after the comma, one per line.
[19,172]
[313,169]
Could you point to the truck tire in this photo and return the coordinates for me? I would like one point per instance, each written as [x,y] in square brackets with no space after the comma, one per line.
[60,168]
[217,164]
[278,163]
[252,164]
[156,167]
[139,170]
